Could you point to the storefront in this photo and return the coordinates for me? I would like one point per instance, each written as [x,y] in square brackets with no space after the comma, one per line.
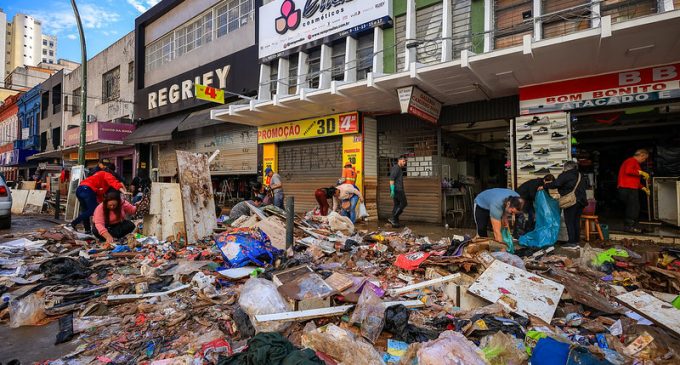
[602,120]
[311,153]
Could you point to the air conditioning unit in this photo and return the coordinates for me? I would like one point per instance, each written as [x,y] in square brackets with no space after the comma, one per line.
[91,118]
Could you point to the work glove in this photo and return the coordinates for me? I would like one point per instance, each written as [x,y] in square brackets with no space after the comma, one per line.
[646,190]
[644,174]
[392,191]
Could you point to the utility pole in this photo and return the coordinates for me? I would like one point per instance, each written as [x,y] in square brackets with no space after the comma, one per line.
[83,87]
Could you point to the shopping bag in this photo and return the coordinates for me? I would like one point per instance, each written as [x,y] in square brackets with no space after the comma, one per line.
[547,227]
[363,213]
[241,247]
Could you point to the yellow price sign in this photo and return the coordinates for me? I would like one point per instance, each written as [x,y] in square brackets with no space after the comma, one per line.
[209,93]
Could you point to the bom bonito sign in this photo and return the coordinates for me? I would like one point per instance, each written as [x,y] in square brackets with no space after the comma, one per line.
[627,87]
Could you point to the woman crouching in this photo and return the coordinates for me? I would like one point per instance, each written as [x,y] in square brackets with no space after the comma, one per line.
[110,221]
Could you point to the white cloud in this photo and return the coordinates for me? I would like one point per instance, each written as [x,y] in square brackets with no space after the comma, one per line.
[72,36]
[142,6]
[61,19]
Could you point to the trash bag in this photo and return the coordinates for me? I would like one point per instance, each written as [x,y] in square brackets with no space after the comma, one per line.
[370,314]
[260,296]
[342,224]
[396,322]
[65,268]
[503,349]
[547,227]
[342,346]
[507,238]
[450,348]
[28,311]
[363,213]
[243,324]
[509,259]
[240,248]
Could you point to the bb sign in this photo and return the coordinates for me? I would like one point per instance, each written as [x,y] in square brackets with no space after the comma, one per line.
[634,86]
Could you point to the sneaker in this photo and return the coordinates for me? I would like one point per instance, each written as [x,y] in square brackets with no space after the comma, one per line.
[393,223]
[556,166]
[542,171]
[525,158]
[528,167]
[542,130]
[533,121]
[558,125]
[556,135]
[527,138]
[543,121]
[526,147]
[542,152]
[541,161]
[558,147]
[524,127]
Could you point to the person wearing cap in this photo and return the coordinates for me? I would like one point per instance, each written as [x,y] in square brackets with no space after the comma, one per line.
[397,192]
[629,187]
[273,181]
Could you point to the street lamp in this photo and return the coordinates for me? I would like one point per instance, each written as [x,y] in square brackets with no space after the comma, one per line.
[83,87]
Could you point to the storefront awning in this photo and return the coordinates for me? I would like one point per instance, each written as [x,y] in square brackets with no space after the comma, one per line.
[198,119]
[156,131]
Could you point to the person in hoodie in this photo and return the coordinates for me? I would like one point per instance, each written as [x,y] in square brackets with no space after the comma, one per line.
[565,184]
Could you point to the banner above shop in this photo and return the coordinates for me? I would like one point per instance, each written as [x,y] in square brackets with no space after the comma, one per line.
[634,86]
[291,25]
[416,102]
[331,125]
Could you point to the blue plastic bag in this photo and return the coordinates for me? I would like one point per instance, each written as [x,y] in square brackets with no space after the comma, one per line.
[239,248]
[507,238]
[547,227]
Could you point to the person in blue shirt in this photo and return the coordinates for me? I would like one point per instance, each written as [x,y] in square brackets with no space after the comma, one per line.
[495,206]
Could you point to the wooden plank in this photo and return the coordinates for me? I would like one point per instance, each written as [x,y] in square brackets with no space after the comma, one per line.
[72,204]
[35,201]
[518,290]
[113,298]
[657,311]
[424,284]
[19,198]
[172,216]
[198,199]
[28,185]
[324,312]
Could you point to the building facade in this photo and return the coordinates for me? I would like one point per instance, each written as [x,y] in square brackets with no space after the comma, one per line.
[110,111]
[182,44]
[28,139]
[9,130]
[25,44]
[448,82]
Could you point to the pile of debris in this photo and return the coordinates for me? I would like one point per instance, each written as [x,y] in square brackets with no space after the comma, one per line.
[341,296]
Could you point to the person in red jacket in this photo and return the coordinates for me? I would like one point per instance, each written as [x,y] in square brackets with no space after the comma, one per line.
[90,193]
[629,188]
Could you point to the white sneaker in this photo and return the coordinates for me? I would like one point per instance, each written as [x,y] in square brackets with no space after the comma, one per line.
[525,158]
[558,125]
[541,161]
[544,121]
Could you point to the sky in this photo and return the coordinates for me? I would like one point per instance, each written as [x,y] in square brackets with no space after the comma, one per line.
[104,21]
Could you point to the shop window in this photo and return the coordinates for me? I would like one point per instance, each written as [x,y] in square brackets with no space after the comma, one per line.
[338,61]
[56,99]
[273,76]
[293,73]
[131,71]
[562,17]
[314,66]
[364,55]
[626,10]
[111,85]
[44,104]
[513,19]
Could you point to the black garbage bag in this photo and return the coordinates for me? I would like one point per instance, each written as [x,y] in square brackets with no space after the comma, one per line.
[396,322]
[243,324]
[65,268]
[486,324]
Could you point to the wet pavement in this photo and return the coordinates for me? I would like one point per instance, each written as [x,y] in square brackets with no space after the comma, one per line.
[27,223]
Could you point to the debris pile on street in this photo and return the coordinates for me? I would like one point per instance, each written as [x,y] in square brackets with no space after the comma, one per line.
[341,296]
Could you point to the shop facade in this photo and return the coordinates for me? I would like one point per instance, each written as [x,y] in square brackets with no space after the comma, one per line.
[9,127]
[601,120]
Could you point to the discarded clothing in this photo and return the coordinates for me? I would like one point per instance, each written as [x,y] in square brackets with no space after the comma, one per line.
[271,349]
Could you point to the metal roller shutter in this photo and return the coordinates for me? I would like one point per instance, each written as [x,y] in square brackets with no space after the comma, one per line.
[308,165]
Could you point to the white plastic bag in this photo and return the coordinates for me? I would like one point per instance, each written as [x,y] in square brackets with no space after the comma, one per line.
[28,311]
[260,296]
[339,223]
[363,213]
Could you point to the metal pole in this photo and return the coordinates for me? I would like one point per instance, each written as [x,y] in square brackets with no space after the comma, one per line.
[83,87]
[290,221]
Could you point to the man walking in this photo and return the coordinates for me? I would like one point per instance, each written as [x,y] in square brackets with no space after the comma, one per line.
[629,186]
[276,185]
[397,192]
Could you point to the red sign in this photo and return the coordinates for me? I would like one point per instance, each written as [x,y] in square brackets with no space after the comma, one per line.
[633,86]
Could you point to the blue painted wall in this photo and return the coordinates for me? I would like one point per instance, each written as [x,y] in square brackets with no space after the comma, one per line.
[29,117]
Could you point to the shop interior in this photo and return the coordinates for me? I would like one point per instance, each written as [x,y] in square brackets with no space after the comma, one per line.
[603,139]
[474,158]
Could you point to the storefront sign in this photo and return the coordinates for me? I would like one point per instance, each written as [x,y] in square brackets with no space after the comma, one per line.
[416,102]
[237,73]
[635,86]
[290,25]
[209,93]
[331,125]
[352,152]
[270,157]
[73,156]
[99,131]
